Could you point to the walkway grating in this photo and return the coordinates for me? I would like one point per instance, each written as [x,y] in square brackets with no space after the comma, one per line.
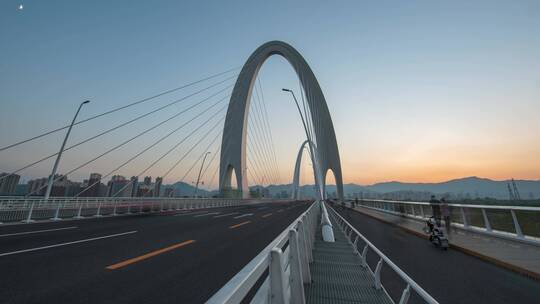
[338,276]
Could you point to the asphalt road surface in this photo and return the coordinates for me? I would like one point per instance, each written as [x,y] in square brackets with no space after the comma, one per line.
[176,257]
[449,276]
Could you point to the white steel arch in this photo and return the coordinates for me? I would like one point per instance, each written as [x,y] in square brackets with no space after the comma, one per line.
[233,146]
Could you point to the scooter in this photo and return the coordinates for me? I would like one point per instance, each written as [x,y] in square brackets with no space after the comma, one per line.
[436,234]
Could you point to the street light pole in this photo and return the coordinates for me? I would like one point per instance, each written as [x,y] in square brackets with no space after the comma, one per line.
[199,177]
[55,167]
[311,148]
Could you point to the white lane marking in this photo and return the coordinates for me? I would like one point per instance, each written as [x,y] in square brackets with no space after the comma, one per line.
[65,244]
[37,231]
[280,210]
[232,213]
[243,215]
[213,213]
[190,213]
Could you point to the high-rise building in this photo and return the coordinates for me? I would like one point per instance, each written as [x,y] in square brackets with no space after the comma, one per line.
[37,187]
[8,183]
[117,186]
[134,186]
[157,186]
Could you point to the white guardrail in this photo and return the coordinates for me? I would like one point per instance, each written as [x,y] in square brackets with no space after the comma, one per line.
[32,209]
[353,236]
[518,223]
[282,267]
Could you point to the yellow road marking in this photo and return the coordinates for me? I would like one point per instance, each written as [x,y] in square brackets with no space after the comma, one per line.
[238,225]
[148,255]
[267,215]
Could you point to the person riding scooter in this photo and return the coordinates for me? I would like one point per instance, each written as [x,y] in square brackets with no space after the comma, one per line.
[436,233]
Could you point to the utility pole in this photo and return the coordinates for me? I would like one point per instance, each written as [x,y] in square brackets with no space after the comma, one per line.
[55,167]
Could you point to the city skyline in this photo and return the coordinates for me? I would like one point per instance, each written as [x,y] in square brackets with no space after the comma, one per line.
[414,96]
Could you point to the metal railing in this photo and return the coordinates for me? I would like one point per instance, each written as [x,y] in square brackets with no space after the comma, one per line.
[519,223]
[29,210]
[283,267]
[353,236]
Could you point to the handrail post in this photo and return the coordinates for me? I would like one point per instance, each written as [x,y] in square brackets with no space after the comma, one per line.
[378,284]
[307,238]
[304,254]
[464,217]
[29,217]
[79,211]
[297,284]
[115,205]
[355,246]
[57,212]
[405,295]
[277,280]
[99,209]
[519,232]
[487,224]
[364,256]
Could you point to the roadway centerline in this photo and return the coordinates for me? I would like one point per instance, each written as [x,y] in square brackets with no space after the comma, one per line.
[68,243]
[243,215]
[238,225]
[227,214]
[267,215]
[211,213]
[148,255]
[37,231]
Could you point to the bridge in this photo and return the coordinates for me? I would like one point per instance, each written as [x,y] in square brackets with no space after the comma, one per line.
[243,247]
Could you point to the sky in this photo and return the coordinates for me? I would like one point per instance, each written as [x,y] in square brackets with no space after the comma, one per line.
[418,91]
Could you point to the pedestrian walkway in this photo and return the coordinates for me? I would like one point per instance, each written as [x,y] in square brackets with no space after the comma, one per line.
[513,255]
[338,276]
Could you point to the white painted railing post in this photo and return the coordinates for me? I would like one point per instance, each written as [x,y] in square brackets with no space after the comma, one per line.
[307,238]
[405,295]
[464,217]
[364,255]
[116,202]
[304,254]
[57,212]
[29,216]
[517,227]
[277,281]
[296,281]
[79,212]
[378,275]
[98,212]
[487,224]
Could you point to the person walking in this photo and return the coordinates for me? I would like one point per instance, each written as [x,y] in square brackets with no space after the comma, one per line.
[436,210]
[445,211]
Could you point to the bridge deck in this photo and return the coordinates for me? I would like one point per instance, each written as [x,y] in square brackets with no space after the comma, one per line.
[338,276]
[514,255]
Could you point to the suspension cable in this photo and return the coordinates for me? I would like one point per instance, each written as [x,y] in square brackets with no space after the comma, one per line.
[119,108]
[131,139]
[268,126]
[126,123]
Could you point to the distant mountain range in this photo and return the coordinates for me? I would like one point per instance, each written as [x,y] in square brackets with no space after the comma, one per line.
[468,187]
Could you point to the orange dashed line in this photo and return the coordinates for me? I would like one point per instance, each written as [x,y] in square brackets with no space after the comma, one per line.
[267,215]
[238,225]
[148,255]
